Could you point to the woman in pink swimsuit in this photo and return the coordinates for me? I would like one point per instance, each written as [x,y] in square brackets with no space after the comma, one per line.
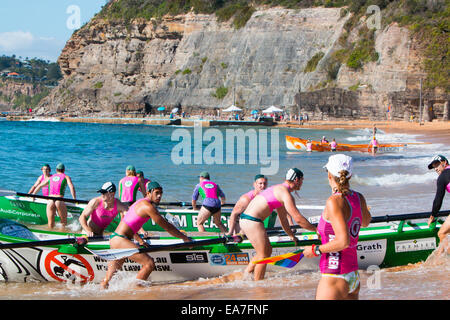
[44,176]
[277,197]
[344,214]
[101,211]
[259,185]
[138,214]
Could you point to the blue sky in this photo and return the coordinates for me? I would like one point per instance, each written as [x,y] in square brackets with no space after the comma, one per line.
[40,28]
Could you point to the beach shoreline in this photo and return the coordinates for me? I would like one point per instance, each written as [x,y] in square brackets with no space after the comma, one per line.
[437,131]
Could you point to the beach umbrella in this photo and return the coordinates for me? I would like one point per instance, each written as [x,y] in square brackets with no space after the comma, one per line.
[272,109]
[161,109]
[232,108]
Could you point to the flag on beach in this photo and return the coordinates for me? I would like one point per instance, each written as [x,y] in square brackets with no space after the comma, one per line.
[287,260]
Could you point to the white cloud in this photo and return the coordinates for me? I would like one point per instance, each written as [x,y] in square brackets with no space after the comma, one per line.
[25,44]
[15,40]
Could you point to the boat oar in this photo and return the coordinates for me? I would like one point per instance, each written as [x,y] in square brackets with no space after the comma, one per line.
[73,240]
[51,198]
[407,216]
[287,260]
[115,254]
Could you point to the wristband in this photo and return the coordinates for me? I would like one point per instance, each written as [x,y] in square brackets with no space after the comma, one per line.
[315,250]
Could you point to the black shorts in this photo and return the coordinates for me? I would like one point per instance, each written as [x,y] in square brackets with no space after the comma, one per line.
[213,210]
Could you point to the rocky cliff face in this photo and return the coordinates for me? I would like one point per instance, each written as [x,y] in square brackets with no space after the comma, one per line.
[194,62]
[10,89]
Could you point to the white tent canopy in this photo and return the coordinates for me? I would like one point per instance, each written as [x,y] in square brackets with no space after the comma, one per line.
[232,108]
[272,109]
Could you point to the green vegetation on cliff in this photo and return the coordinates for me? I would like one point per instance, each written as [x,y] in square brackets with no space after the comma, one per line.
[429,21]
[39,74]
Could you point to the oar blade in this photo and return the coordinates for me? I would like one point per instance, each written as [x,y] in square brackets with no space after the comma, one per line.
[287,260]
[113,254]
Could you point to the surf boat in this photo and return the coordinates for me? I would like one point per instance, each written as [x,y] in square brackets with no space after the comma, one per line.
[35,255]
[31,209]
[299,144]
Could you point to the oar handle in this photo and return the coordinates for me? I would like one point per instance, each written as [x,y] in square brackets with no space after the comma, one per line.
[408,216]
[51,198]
[74,240]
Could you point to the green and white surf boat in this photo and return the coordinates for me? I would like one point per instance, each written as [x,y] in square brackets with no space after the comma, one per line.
[37,255]
[31,209]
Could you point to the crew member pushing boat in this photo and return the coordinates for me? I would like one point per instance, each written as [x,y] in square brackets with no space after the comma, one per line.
[277,197]
[101,211]
[259,185]
[132,223]
[440,164]
[130,185]
[45,175]
[57,184]
[211,205]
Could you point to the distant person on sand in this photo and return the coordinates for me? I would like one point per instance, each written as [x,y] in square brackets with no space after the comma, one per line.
[259,185]
[344,214]
[101,211]
[45,175]
[211,205]
[440,164]
[57,184]
[130,185]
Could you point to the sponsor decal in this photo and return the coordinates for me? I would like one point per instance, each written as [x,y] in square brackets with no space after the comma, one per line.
[188,257]
[128,183]
[354,227]
[229,259]
[65,267]
[371,252]
[209,186]
[415,245]
[56,178]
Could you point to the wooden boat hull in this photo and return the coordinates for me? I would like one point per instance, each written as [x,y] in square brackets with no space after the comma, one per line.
[299,144]
[380,246]
[33,211]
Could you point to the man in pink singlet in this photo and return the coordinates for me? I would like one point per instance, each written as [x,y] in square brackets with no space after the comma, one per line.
[133,221]
[130,185]
[259,185]
[345,213]
[101,211]
[45,175]
[57,184]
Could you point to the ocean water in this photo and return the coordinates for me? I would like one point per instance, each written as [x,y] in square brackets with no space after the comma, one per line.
[392,183]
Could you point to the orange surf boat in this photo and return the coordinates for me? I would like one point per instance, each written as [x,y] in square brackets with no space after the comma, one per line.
[299,144]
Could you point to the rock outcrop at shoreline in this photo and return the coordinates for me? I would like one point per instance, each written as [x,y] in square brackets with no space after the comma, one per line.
[197,64]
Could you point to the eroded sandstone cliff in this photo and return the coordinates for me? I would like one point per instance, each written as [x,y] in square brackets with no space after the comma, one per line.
[194,62]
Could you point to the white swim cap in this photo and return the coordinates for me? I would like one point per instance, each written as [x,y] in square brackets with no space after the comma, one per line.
[337,163]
